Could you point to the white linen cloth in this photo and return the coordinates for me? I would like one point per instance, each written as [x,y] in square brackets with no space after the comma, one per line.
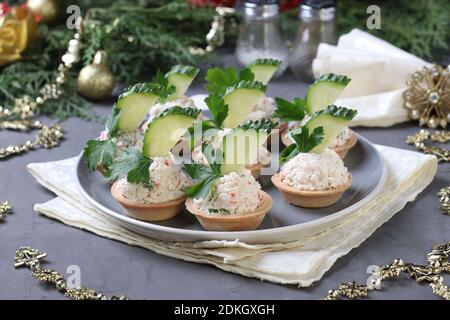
[301,262]
[379,72]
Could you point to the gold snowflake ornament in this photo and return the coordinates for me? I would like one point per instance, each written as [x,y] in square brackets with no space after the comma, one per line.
[428,96]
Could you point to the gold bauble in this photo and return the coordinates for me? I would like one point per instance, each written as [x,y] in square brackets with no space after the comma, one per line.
[96,81]
[47,10]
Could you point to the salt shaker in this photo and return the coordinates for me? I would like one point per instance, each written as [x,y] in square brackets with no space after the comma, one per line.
[261,35]
[317,24]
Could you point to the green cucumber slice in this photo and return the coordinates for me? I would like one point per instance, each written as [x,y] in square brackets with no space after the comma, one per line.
[325,91]
[264,69]
[241,147]
[241,98]
[333,120]
[181,78]
[165,131]
[135,103]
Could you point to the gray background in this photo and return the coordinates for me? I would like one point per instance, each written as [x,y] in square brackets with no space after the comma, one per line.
[115,268]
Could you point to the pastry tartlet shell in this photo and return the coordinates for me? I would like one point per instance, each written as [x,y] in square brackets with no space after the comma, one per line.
[232,222]
[311,199]
[148,212]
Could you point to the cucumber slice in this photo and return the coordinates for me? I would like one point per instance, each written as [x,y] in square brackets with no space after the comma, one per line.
[264,69]
[135,103]
[165,131]
[241,147]
[333,120]
[241,99]
[181,78]
[325,91]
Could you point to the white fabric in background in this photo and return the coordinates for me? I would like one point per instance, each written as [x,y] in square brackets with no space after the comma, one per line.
[379,72]
[301,262]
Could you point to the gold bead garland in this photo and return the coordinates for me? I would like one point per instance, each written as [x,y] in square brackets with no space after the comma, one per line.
[444,199]
[428,96]
[30,258]
[419,139]
[5,208]
[47,137]
[438,263]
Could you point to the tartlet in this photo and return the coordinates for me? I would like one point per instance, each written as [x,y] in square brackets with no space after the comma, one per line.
[311,199]
[341,150]
[232,222]
[148,212]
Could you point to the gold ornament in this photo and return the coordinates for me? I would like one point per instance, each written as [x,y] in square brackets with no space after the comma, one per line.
[30,258]
[5,208]
[17,31]
[47,137]
[438,263]
[444,199]
[418,140]
[46,10]
[96,81]
[428,96]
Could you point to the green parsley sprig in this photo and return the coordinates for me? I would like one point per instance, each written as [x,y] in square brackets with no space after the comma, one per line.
[294,110]
[133,165]
[303,142]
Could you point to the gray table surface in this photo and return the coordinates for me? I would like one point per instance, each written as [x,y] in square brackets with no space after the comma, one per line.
[112,267]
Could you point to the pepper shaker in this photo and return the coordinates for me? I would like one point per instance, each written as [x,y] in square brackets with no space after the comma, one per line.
[317,24]
[261,35]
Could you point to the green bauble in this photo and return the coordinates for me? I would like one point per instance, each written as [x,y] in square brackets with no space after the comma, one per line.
[96,81]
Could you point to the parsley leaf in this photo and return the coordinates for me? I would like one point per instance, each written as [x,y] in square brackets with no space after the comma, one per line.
[290,111]
[218,79]
[112,122]
[246,75]
[99,153]
[203,177]
[304,142]
[133,165]
[218,108]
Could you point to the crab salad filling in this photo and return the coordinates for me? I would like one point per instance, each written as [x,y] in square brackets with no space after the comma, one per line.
[234,193]
[168,183]
[314,171]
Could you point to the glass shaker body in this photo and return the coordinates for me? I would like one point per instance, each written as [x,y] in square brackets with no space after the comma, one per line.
[314,28]
[261,36]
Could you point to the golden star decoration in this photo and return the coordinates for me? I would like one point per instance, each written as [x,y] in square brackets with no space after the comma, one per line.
[428,96]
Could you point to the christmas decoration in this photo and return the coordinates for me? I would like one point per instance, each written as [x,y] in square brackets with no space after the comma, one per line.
[46,10]
[139,38]
[5,208]
[438,264]
[30,258]
[96,81]
[428,96]
[419,139]
[17,31]
[444,199]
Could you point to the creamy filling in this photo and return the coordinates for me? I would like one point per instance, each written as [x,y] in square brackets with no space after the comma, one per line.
[158,108]
[234,193]
[169,183]
[264,109]
[126,139]
[314,171]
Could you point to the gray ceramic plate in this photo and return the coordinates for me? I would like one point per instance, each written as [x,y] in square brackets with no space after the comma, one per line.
[283,223]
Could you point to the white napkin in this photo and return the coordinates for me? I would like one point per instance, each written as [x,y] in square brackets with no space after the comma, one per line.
[379,72]
[301,262]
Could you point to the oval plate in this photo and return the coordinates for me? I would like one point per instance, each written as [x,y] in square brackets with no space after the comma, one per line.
[283,223]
